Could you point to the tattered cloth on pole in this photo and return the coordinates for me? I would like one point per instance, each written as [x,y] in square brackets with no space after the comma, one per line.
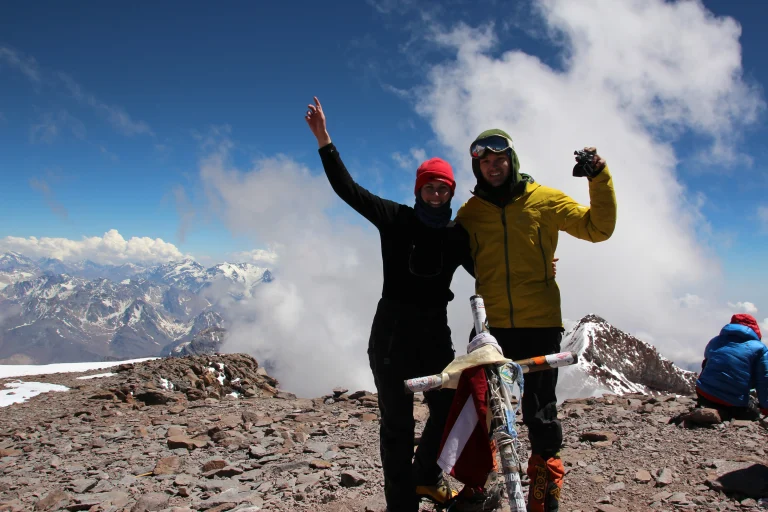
[465,451]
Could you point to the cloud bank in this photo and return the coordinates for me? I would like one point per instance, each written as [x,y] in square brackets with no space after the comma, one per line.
[111,248]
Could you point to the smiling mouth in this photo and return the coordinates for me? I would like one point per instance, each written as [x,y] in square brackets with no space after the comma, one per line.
[436,203]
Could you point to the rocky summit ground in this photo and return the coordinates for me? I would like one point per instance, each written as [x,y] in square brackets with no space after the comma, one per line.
[215,433]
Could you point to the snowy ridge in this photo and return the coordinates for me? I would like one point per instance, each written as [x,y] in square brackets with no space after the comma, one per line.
[612,361]
[52,311]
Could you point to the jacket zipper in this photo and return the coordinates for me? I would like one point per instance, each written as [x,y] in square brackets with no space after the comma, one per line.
[506,261]
[477,252]
[544,259]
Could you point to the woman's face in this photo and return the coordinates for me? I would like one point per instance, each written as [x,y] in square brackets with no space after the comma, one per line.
[435,193]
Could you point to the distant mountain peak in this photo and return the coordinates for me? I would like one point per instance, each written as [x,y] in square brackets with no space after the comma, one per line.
[55,311]
[613,361]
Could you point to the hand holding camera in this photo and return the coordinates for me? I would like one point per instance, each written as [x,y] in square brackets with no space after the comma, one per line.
[588,163]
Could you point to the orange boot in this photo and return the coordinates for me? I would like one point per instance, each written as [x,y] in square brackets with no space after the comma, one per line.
[546,478]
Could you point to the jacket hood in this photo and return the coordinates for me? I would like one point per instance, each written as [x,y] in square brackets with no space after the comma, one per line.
[739,332]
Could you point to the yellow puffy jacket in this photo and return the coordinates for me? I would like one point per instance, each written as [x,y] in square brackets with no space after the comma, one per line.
[513,248]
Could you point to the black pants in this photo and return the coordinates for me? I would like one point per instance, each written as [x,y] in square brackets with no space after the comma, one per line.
[409,341]
[539,400]
[731,412]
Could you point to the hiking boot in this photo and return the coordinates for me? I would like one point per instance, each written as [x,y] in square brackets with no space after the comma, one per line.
[546,482]
[439,494]
[480,499]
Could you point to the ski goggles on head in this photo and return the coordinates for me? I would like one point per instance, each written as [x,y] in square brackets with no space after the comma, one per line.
[495,143]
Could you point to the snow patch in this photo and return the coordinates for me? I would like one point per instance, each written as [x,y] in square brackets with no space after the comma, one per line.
[21,391]
[96,376]
[22,370]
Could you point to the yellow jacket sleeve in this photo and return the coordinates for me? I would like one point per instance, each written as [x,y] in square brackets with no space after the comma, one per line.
[595,222]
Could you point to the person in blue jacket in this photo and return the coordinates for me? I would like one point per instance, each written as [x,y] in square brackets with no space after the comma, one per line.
[735,362]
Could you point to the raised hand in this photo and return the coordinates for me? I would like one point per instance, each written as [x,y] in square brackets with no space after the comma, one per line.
[598,162]
[315,118]
[588,163]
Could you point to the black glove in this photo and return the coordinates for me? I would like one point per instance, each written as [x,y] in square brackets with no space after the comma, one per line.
[584,165]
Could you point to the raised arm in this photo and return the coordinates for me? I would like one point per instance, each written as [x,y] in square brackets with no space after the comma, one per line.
[596,222]
[377,210]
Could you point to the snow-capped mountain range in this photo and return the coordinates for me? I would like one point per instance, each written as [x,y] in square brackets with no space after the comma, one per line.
[612,361]
[55,311]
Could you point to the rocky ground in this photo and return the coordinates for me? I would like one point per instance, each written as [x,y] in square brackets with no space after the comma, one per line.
[214,433]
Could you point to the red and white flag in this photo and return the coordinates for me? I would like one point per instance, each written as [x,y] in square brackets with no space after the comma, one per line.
[465,451]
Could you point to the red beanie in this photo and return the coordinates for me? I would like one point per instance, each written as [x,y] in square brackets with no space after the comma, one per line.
[749,321]
[434,169]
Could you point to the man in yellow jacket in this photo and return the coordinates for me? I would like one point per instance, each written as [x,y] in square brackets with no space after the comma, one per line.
[513,225]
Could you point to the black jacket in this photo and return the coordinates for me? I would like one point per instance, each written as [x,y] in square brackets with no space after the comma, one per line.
[419,261]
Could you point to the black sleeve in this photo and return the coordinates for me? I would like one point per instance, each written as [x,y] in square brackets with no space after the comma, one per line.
[465,256]
[377,210]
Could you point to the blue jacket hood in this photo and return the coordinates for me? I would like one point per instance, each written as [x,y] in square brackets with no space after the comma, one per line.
[739,332]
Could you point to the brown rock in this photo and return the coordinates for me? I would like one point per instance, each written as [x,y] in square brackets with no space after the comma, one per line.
[103,395]
[702,416]
[185,442]
[9,452]
[608,508]
[252,416]
[167,466]
[643,476]
[54,500]
[174,431]
[665,477]
[352,479]
[598,435]
[151,502]
[214,464]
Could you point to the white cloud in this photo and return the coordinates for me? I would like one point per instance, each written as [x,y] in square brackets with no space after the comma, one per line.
[410,161]
[50,125]
[111,248]
[655,276]
[313,321]
[634,76]
[26,65]
[764,325]
[115,115]
[746,307]
[264,257]
[41,185]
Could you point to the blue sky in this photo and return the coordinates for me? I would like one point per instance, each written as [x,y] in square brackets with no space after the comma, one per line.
[107,112]
[175,72]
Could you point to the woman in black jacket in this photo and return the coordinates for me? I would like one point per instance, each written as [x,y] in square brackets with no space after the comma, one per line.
[420,248]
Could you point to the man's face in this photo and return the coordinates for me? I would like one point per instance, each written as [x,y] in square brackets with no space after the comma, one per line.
[495,167]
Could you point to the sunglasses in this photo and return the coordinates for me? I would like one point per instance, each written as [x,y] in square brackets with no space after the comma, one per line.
[495,143]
